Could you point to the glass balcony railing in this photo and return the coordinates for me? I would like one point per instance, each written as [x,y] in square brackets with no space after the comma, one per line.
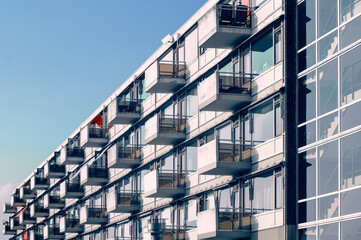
[172,69]
[237,83]
[75,152]
[128,106]
[171,179]
[169,123]
[128,198]
[233,219]
[234,16]
[129,152]
[96,131]
[98,172]
[233,151]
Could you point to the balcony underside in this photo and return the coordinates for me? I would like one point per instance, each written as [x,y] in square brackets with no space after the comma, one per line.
[95,142]
[71,195]
[225,37]
[225,102]
[223,235]
[124,163]
[72,160]
[92,181]
[125,118]
[165,192]
[123,208]
[165,85]
[225,168]
[165,138]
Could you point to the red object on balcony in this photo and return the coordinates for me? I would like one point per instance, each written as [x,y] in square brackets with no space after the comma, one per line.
[97,120]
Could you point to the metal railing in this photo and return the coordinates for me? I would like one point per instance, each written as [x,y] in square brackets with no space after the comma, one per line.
[234,16]
[171,178]
[129,152]
[97,212]
[55,199]
[39,208]
[41,181]
[74,187]
[96,131]
[233,219]
[72,222]
[54,230]
[75,152]
[56,168]
[172,123]
[235,82]
[172,69]
[98,172]
[129,106]
[127,198]
[234,151]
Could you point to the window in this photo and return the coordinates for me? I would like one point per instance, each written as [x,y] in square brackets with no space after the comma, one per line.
[306,23]
[263,193]
[258,3]
[192,156]
[327,46]
[350,160]
[327,16]
[278,191]
[328,126]
[307,233]
[328,231]
[327,87]
[307,174]
[351,116]
[307,134]
[192,103]
[263,123]
[328,207]
[350,33]
[307,58]
[349,9]
[351,229]
[307,98]
[278,47]
[328,167]
[262,53]
[307,211]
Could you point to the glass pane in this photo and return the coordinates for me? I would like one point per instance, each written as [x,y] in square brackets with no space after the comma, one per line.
[350,161]
[307,97]
[192,103]
[263,122]
[327,16]
[328,46]
[328,232]
[307,211]
[307,233]
[350,202]
[263,193]
[328,167]
[328,126]
[351,75]
[349,9]
[307,174]
[262,54]
[278,120]
[257,3]
[351,116]
[224,198]
[350,32]
[278,47]
[328,207]
[225,133]
[350,230]
[327,87]
[192,155]
[306,23]
[307,134]
[307,58]
[279,191]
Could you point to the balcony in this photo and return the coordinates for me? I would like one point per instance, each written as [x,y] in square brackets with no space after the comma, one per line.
[93,176]
[7,229]
[224,26]
[71,190]
[27,193]
[16,225]
[53,170]
[70,225]
[120,156]
[52,232]
[38,210]
[16,201]
[71,155]
[224,91]
[93,136]
[7,208]
[123,202]
[164,184]
[25,217]
[165,76]
[223,157]
[53,201]
[36,235]
[223,224]
[123,111]
[165,130]
[93,215]
[39,183]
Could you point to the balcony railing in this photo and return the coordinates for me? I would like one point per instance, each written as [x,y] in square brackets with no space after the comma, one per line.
[234,16]
[169,124]
[171,179]
[124,201]
[235,82]
[7,229]
[53,170]
[71,155]
[25,218]
[7,208]
[53,201]
[38,210]
[93,136]
[39,183]
[172,69]
[27,193]
[69,189]
[16,201]
[52,231]
[124,111]
[234,219]
[15,224]
[97,131]
[71,225]
[120,156]
[93,215]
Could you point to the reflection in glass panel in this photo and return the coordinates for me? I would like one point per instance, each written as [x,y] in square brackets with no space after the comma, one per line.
[307,58]
[307,97]
[328,167]
[263,122]
[327,16]
[307,211]
[328,207]
[328,126]
[349,9]
[307,134]
[192,103]
[350,202]
[328,46]
[350,161]
[327,87]
[262,53]
[263,193]
[350,32]
[306,23]
[328,232]
[307,233]
[351,116]
[350,230]
[307,174]
[351,76]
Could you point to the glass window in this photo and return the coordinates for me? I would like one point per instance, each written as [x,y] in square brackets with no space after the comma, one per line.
[328,232]
[351,116]
[278,119]
[278,46]
[350,32]
[307,134]
[307,211]
[350,230]
[306,23]
[350,161]
[192,156]
[225,133]
[327,87]
[307,58]
[257,3]
[262,53]
[328,126]
[307,233]
[328,167]
[263,122]
[351,76]
[278,191]
[263,193]
[327,16]
[328,46]
[350,202]
[307,97]
[328,207]
[191,208]
[143,93]
[224,198]
[307,174]
[349,9]
[192,103]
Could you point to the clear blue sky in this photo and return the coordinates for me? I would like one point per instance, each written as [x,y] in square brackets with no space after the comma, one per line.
[60,59]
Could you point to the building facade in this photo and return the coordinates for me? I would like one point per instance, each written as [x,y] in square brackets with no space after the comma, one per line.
[244,124]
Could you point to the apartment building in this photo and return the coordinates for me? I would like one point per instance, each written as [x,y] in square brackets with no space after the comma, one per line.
[244,124]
